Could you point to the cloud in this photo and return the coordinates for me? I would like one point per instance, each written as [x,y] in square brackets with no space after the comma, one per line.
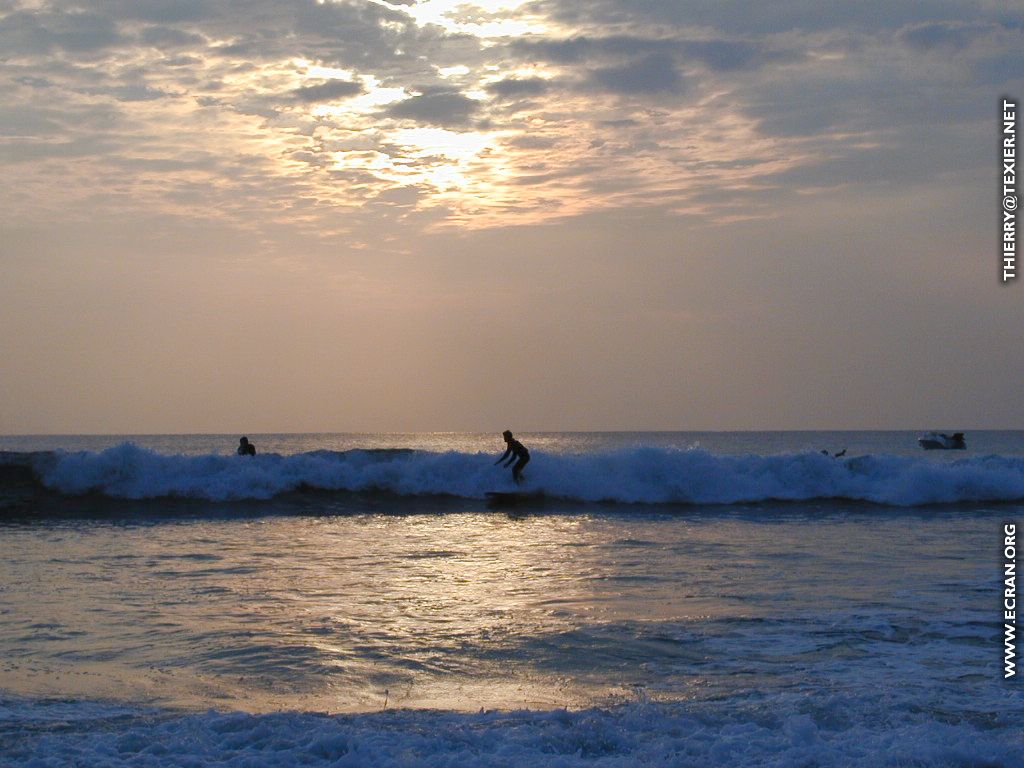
[440,109]
[169,37]
[29,121]
[77,32]
[785,93]
[161,11]
[652,74]
[135,92]
[733,55]
[943,35]
[924,157]
[715,54]
[514,87]
[741,17]
[329,91]
[30,151]
[526,141]
[1000,67]
[584,48]
[399,196]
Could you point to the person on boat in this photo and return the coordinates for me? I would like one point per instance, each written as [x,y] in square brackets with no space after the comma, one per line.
[515,452]
[245,448]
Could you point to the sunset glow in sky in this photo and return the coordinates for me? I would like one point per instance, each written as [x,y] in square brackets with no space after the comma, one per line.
[292,215]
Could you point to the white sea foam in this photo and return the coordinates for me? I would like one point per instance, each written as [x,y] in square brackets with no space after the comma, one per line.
[639,475]
[776,733]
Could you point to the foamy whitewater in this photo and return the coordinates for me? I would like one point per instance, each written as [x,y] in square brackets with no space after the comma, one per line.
[638,475]
[667,599]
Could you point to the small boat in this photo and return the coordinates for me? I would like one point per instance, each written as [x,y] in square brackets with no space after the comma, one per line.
[940,441]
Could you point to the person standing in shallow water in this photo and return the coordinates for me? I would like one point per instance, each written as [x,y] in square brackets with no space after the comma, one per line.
[518,453]
[245,448]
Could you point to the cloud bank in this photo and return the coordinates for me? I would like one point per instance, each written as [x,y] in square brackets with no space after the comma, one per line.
[549,111]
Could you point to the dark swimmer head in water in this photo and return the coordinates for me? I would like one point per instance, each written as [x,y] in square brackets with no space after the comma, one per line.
[515,452]
[245,448]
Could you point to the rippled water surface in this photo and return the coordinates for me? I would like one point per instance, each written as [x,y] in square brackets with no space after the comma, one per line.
[478,608]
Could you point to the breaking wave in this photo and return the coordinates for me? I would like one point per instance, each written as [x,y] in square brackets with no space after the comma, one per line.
[838,733]
[637,475]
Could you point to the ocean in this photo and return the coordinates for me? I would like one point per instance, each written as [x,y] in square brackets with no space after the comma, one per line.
[664,599]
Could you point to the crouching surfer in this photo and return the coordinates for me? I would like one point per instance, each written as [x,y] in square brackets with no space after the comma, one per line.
[516,452]
[245,448]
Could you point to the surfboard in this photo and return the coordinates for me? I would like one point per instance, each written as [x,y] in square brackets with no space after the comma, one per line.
[510,498]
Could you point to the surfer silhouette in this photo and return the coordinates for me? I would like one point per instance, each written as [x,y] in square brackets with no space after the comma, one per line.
[516,452]
[245,448]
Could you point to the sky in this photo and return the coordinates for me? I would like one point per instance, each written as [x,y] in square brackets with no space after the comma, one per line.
[302,216]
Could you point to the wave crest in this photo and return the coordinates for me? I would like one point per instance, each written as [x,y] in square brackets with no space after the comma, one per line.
[638,475]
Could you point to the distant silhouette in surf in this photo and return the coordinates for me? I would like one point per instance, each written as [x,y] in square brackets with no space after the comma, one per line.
[516,452]
[245,448]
